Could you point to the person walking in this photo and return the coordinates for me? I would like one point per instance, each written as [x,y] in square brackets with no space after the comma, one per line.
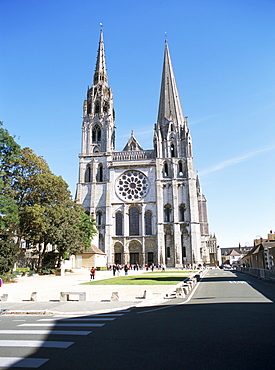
[126,269]
[114,270]
[92,273]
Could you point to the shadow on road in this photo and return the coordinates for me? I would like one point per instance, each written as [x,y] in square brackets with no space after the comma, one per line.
[172,336]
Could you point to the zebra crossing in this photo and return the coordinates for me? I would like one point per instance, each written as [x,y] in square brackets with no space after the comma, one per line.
[38,330]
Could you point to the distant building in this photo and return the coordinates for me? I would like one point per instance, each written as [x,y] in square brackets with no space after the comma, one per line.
[148,204]
[262,255]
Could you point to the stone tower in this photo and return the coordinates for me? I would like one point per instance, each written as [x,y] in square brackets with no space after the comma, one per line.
[148,204]
[177,200]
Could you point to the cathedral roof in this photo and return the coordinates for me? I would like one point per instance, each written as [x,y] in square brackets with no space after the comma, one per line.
[132,144]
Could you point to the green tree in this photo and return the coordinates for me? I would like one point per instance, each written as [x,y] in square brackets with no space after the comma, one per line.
[47,214]
[39,206]
[9,155]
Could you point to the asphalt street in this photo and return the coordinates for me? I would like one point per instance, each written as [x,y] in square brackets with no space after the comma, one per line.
[226,322]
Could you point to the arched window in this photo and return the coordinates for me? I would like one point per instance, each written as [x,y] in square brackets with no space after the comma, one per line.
[119,219]
[88,174]
[165,170]
[99,176]
[89,108]
[173,151]
[96,134]
[167,213]
[101,243]
[180,169]
[105,107]
[99,217]
[133,221]
[97,107]
[181,212]
[148,223]
[183,248]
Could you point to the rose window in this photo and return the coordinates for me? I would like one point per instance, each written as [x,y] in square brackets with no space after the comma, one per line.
[132,186]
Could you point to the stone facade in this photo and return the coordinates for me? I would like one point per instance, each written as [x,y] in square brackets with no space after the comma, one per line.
[148,204]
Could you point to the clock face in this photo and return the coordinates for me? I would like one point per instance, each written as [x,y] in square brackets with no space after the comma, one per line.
[132,186]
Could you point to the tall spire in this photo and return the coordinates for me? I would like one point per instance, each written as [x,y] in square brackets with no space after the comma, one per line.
[100,74]
[169,104]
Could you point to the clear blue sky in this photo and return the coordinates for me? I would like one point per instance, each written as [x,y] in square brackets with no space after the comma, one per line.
[224,61]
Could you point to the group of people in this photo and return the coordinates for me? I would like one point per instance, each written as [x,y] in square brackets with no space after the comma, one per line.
[117,268]
[152,267]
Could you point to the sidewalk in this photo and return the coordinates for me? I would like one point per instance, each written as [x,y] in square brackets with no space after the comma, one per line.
[98,297]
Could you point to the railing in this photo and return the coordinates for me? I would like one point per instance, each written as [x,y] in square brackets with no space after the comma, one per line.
[133,155]
[261,273]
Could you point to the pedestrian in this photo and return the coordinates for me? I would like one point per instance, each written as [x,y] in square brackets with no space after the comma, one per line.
[126,269]
[92,273]
[114,270]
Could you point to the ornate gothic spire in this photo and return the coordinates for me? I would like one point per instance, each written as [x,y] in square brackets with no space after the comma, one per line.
[100,75]
[170,109]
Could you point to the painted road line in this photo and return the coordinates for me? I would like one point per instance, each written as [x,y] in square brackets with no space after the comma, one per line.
[47,332]
[68,325]
[30,363]
[174,305]
[78,319]
[238,282]
[91,316]
[35,343]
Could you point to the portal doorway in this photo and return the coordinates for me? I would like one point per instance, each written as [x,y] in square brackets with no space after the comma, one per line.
[134,258]
[118,258]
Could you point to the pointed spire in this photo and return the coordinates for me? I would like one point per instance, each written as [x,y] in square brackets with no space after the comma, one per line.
[198,183]
[100,74]
[169,105]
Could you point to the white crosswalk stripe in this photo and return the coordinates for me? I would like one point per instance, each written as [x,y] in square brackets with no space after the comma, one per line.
[66,325]
[79,319]
[35,343]
[28,363]
[48,327]
[46,332]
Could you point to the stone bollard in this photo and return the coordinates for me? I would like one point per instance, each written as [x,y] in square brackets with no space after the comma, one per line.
[115,296]
[198,277]
[4,298]
[185,288]
[147,294]
[180,292]
[34,297]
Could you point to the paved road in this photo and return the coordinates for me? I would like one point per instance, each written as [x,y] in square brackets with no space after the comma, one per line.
[228,322]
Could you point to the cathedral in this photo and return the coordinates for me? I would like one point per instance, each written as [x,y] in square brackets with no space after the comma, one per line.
[148,204]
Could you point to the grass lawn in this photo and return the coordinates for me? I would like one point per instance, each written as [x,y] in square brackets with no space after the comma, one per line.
[157,278]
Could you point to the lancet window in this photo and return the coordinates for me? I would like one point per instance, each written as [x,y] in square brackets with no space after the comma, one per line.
[119,218]
[148,223]
[133,221]
[96,133]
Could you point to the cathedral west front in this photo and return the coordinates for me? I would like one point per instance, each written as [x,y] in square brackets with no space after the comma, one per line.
[148,204]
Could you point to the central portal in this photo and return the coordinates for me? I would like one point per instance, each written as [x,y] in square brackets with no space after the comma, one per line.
[134,258]
[135,251]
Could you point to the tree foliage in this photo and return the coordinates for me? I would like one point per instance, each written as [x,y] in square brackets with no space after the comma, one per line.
[9,154]
[46,217]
